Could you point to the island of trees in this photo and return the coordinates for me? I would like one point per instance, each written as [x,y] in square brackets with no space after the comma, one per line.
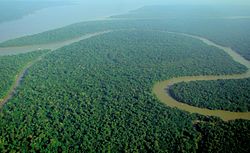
[231,95]
[95,95]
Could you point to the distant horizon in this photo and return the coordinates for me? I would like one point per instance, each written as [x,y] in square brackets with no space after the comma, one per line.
[172,2]
[153,2]
[91,10]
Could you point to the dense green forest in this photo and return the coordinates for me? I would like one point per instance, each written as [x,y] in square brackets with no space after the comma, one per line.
[226,32]
[10,67]
[232,95]
[232,136]
[226,25]
[95,96]
[61,34]
[212,23]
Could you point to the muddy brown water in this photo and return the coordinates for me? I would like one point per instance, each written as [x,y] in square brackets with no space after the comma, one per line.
[161,89]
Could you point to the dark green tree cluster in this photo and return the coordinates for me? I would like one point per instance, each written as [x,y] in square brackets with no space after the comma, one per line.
[226,25]
[95,96]
[232,95]
[11,66]
[66,33]
[203,21]
[231,33]
[230,137]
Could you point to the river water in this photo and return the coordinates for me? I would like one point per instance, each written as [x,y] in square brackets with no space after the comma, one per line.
[55,17]
[161,89]
[52,46]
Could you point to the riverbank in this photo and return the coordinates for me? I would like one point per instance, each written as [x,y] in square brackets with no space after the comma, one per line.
[19,77]
[53,46]
[161,89]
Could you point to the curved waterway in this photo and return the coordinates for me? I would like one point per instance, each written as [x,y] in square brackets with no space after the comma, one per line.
[17,50]
[53,46]
[161,89]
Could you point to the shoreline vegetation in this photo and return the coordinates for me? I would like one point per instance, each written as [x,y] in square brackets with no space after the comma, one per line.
[99,94]
[162,89]
[230,95]
[157,89]
[96,95]
[23,70]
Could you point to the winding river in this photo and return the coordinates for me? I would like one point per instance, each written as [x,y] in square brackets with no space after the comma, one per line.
[18,50]
[161,89]
[53,46]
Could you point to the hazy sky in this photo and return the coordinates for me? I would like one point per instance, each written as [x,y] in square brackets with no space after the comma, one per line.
[148,2]
[155,2]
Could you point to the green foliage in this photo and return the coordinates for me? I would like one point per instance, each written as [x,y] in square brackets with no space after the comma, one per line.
[221,137]
[225,25]
[232,95]
[95,96]
[61,34]
[10,67]
[219,24]
[232,33]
